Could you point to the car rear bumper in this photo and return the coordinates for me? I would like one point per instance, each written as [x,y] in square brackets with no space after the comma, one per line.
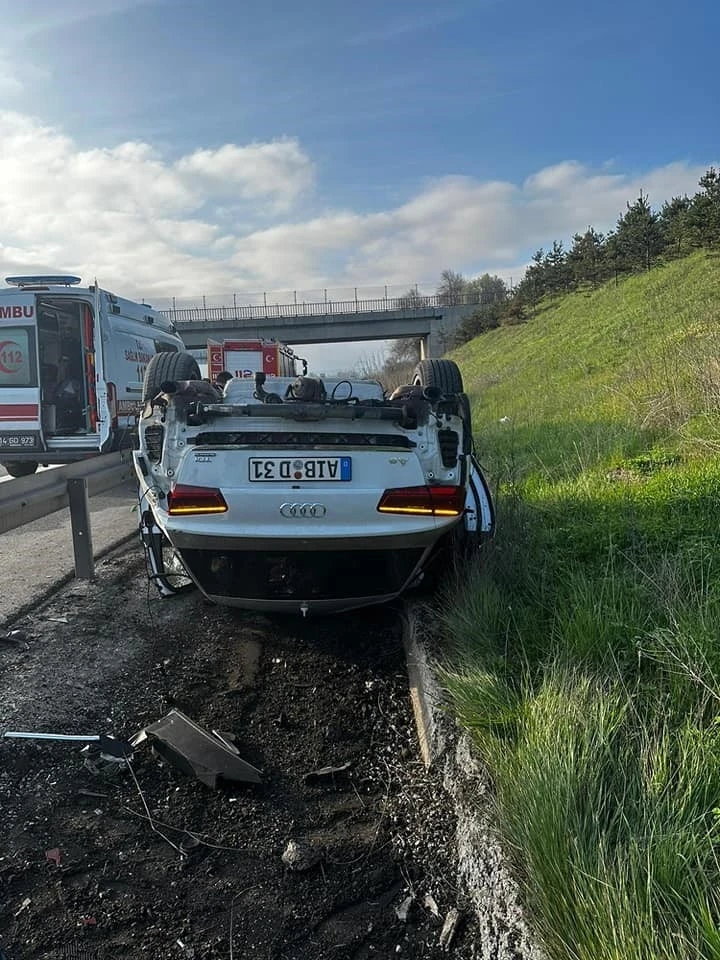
[295,606]
[321,575]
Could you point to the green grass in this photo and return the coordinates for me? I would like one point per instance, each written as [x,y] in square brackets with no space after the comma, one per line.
[584,655]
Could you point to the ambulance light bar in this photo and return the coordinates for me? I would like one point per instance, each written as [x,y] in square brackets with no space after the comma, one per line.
[62,281]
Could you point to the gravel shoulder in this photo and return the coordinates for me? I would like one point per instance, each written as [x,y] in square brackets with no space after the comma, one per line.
[103,860]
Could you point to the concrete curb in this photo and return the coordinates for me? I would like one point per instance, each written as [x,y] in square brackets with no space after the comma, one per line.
[483,873]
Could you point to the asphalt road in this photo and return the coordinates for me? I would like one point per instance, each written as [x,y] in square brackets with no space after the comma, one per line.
[37,557]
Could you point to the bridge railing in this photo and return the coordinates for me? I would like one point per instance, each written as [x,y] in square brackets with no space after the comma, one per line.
[323,308]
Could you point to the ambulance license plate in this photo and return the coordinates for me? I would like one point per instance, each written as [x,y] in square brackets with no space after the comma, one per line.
[19,441]
[288,469]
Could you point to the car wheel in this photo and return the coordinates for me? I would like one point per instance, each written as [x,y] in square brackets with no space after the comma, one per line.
[443,374]
[168,366]
[20,468]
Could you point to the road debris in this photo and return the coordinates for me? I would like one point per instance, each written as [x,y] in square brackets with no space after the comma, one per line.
[326,773]
[195,750]
[107,744]
[54,856]
[299,856]
[378,829]
[403,910]
[23,906]
[450,927]
[429,904]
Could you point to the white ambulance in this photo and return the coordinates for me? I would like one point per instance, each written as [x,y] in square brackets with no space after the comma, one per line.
[72,369]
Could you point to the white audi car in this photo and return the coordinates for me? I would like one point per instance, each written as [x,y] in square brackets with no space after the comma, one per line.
[294,494]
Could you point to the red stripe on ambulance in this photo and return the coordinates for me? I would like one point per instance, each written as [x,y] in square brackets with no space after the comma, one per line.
[19,411]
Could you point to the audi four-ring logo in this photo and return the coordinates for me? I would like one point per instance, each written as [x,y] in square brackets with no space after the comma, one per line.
[302,510]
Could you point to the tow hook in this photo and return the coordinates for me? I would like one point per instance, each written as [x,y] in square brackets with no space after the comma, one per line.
[304,608]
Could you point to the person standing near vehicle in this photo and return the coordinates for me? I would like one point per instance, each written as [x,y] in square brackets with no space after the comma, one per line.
[69,398]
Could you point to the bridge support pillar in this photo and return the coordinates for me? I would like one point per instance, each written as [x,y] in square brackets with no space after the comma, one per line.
[433,344]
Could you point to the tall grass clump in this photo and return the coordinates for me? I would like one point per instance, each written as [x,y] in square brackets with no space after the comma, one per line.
[593,698]
[583,658]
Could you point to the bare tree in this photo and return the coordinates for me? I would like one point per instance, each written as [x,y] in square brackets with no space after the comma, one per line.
[451,288]
[403,351]
[412,300]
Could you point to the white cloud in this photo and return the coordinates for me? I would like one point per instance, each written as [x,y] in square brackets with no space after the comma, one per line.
[153,226]
[280,170]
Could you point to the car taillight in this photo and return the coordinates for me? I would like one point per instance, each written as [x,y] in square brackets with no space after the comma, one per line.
[184,498]
[424,501]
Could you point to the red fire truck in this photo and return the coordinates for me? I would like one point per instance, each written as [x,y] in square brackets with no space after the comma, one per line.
[245,358]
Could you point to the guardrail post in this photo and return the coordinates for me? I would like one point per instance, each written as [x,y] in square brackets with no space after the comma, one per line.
[81,533]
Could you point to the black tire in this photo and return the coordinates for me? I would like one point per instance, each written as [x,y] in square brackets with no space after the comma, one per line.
[443,374]
[21,468]
[168,366]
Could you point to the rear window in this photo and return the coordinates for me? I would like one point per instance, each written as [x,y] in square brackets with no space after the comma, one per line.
[17,357]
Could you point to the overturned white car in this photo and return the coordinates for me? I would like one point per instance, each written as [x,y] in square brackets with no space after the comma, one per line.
[294,494]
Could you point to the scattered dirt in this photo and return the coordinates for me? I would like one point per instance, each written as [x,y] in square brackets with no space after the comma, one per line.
[146,861]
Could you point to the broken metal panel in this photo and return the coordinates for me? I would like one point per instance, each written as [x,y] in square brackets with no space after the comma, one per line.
[195,750]
[107,744]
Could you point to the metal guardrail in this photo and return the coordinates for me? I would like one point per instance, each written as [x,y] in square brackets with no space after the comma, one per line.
[29,498]
[324,308]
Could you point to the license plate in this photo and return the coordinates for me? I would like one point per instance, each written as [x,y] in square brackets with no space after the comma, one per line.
[288,469]
[19,441]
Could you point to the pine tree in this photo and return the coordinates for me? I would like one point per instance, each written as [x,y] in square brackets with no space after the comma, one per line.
[638,234]
[704,213]
[585,258]
[674,225]
[555,264]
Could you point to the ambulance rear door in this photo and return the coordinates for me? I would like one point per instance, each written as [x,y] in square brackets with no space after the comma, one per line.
[20,414]
[98,349]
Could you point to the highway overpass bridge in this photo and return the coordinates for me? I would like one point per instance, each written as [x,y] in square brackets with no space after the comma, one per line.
[431,320]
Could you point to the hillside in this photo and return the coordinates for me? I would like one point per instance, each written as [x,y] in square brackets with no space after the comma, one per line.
[582,651]
[643,354]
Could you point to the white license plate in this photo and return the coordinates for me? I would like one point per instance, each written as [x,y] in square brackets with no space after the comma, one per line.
[19,441]
[288,469]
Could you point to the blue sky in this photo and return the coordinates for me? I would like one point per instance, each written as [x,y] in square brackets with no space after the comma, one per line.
[190,148]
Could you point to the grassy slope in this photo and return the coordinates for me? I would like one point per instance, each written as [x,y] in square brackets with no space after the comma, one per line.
[586,654]
[638,354]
